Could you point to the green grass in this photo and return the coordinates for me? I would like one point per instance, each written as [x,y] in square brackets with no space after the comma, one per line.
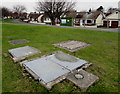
[104,57]
[6,21]
[0,58]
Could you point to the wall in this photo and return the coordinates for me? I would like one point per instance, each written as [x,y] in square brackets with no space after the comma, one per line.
[39,18]
[113,16]
[99,20]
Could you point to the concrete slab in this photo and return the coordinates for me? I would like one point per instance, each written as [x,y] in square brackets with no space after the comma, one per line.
[71,45]
[53,68]
[82,79]
[67,61]
[45,69]
[19,41]
[21,53]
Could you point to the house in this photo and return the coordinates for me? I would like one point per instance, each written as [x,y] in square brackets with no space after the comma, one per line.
[91,18]
[23,15]
[44,19]
[112,19]
[33,17]
[73,14]
[79,19]
[14,15]
[94,18]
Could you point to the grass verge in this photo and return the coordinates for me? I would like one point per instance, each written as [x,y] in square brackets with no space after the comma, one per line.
[104,57]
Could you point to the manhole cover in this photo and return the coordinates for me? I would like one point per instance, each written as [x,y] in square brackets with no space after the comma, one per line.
[50,68]
[21,53]
[82,79]
[19,41]
[71,45]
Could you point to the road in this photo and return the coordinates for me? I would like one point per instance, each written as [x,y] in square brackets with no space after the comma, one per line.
[97,29]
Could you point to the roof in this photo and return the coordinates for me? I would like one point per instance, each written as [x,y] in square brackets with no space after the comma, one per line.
[93,15]
[80,14]
[34,15]
[107,14]
[71,14]
[84,15]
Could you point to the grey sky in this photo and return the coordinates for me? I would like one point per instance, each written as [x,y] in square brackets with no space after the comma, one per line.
[81,5]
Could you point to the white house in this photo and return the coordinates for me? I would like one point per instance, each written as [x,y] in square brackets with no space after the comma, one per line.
[112,20]
[94,18]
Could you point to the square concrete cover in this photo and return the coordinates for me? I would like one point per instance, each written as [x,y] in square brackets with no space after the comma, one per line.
[19,41]
[71,45]
[45,69]
[49,68]
[68,61]
[21,53]
[83,79]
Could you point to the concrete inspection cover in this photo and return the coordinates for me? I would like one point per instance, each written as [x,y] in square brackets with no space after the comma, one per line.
[21,53]
[51,67]
[46,69]
[19,41]
[82,79]
[71,45]
[68,61]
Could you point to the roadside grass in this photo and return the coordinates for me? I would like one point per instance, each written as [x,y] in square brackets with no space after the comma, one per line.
[104,57]
[6,21]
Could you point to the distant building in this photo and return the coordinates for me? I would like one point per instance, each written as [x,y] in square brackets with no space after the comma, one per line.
[94,18]
[112,19]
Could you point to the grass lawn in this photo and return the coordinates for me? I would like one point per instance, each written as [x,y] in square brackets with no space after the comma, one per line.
[6,21]
[104,57]
[0,58]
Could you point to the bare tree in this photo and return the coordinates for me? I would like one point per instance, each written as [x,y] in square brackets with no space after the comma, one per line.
[55,8]
[4,11]
[19,9]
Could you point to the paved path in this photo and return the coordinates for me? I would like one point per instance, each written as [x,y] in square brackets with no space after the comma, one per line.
[97,29]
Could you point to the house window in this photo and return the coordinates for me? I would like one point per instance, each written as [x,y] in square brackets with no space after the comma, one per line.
[89,21]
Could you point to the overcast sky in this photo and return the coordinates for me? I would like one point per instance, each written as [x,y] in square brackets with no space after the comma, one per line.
[81,5]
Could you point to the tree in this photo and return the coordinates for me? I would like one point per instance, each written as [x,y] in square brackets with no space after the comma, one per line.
[54,8]
[5,12]
[19,9]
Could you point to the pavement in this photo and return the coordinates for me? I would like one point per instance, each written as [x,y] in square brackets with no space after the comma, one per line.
[34,24]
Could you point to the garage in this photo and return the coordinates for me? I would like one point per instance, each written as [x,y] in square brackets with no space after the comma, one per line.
[114,24]
[105,23]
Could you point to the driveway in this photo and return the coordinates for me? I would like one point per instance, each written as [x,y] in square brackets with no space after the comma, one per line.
[97,29]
